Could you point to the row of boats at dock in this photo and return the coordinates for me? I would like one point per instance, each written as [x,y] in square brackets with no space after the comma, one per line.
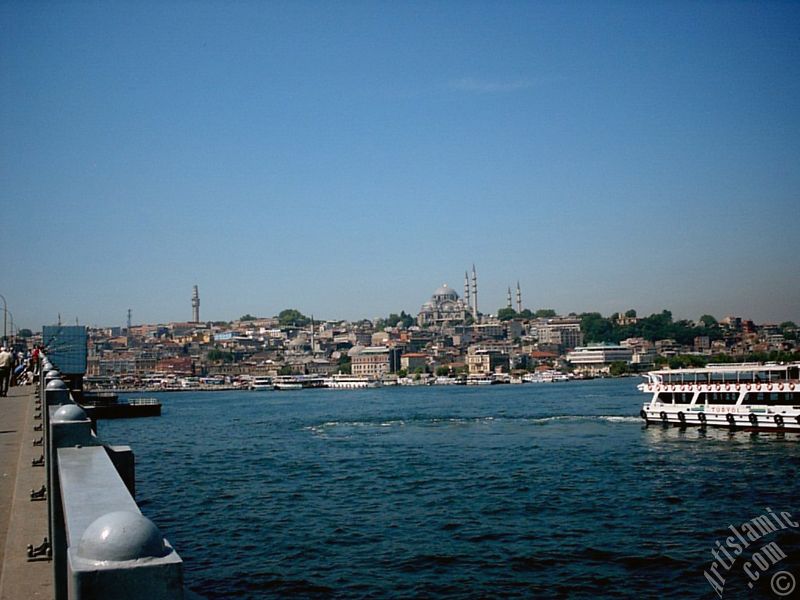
[171,383]
[347,381]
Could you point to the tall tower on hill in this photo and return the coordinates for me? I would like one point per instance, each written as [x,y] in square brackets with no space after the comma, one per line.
[195,306]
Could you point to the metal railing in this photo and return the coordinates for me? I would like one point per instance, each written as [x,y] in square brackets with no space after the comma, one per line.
[101,545]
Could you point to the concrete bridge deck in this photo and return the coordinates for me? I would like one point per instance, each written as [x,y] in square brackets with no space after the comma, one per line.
[22,521]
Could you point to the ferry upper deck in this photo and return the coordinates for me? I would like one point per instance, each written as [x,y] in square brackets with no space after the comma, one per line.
[729,373]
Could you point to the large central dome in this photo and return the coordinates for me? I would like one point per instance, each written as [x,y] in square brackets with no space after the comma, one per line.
[444,307]
[445,292]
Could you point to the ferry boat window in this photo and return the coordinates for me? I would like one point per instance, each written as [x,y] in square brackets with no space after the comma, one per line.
[773,398]
[665,397]
[718,397]
[785,399]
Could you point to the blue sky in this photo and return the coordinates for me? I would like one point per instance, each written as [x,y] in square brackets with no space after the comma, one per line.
[348,158]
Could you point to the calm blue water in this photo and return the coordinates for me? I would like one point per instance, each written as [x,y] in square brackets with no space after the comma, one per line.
[453,492]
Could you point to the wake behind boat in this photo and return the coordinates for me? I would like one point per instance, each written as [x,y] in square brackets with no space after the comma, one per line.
[748,396]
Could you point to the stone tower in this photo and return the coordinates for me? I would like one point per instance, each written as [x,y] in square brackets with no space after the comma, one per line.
[195,306]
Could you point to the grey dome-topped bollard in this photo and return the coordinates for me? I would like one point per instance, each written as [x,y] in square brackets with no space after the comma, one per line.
[46,370]
[122,555]
[69,412]
[121,535]
[56,392]
[56,384]
[50,376]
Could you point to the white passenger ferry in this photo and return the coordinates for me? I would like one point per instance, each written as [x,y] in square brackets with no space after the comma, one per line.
[344,381]
[748,396]
[261,383]
[297,382]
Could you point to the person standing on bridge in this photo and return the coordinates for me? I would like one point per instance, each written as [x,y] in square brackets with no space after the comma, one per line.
[6,363]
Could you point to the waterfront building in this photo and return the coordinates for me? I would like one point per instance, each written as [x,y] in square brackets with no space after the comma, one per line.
[667,347]
[596,359]
[643,351]
[484,361]
[372,362]
[413,361]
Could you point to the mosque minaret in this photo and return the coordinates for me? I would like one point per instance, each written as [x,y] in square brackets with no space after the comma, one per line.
[474,305]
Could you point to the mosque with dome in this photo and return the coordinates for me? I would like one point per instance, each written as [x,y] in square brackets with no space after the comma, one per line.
[446,308]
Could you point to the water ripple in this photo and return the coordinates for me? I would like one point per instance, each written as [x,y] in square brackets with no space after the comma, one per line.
[513,492]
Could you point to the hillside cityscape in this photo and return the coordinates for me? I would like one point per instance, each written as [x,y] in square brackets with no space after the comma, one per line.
[447,338]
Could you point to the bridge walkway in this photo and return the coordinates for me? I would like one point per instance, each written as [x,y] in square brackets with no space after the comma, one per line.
[22,521]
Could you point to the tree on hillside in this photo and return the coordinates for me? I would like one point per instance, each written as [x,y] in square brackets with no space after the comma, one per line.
[709,321]
[217,355]
[403,319]
[506,314]
[545,313]
[292,317]
[596,328]
[247,317]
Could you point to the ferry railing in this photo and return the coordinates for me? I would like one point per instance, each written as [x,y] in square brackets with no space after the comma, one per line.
[101,545]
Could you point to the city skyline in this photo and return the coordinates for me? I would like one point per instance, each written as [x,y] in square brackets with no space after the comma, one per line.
[347,160]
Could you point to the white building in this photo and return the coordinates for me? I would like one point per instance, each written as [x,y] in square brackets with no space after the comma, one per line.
[598,358]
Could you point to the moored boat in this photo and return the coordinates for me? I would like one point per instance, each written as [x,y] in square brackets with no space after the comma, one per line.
[748,396]
[345,381]
[261,383]
[481,380]
[297,382]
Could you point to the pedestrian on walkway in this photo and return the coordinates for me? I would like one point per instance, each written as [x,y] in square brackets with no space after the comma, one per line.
[35,361]
[6,363]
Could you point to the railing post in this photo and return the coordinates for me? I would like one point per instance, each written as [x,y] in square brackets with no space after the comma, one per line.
[55,395]
[51,375]
[69,426]
[45,369]
[123,556]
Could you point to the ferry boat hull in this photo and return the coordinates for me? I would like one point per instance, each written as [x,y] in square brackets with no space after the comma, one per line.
[745,397]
